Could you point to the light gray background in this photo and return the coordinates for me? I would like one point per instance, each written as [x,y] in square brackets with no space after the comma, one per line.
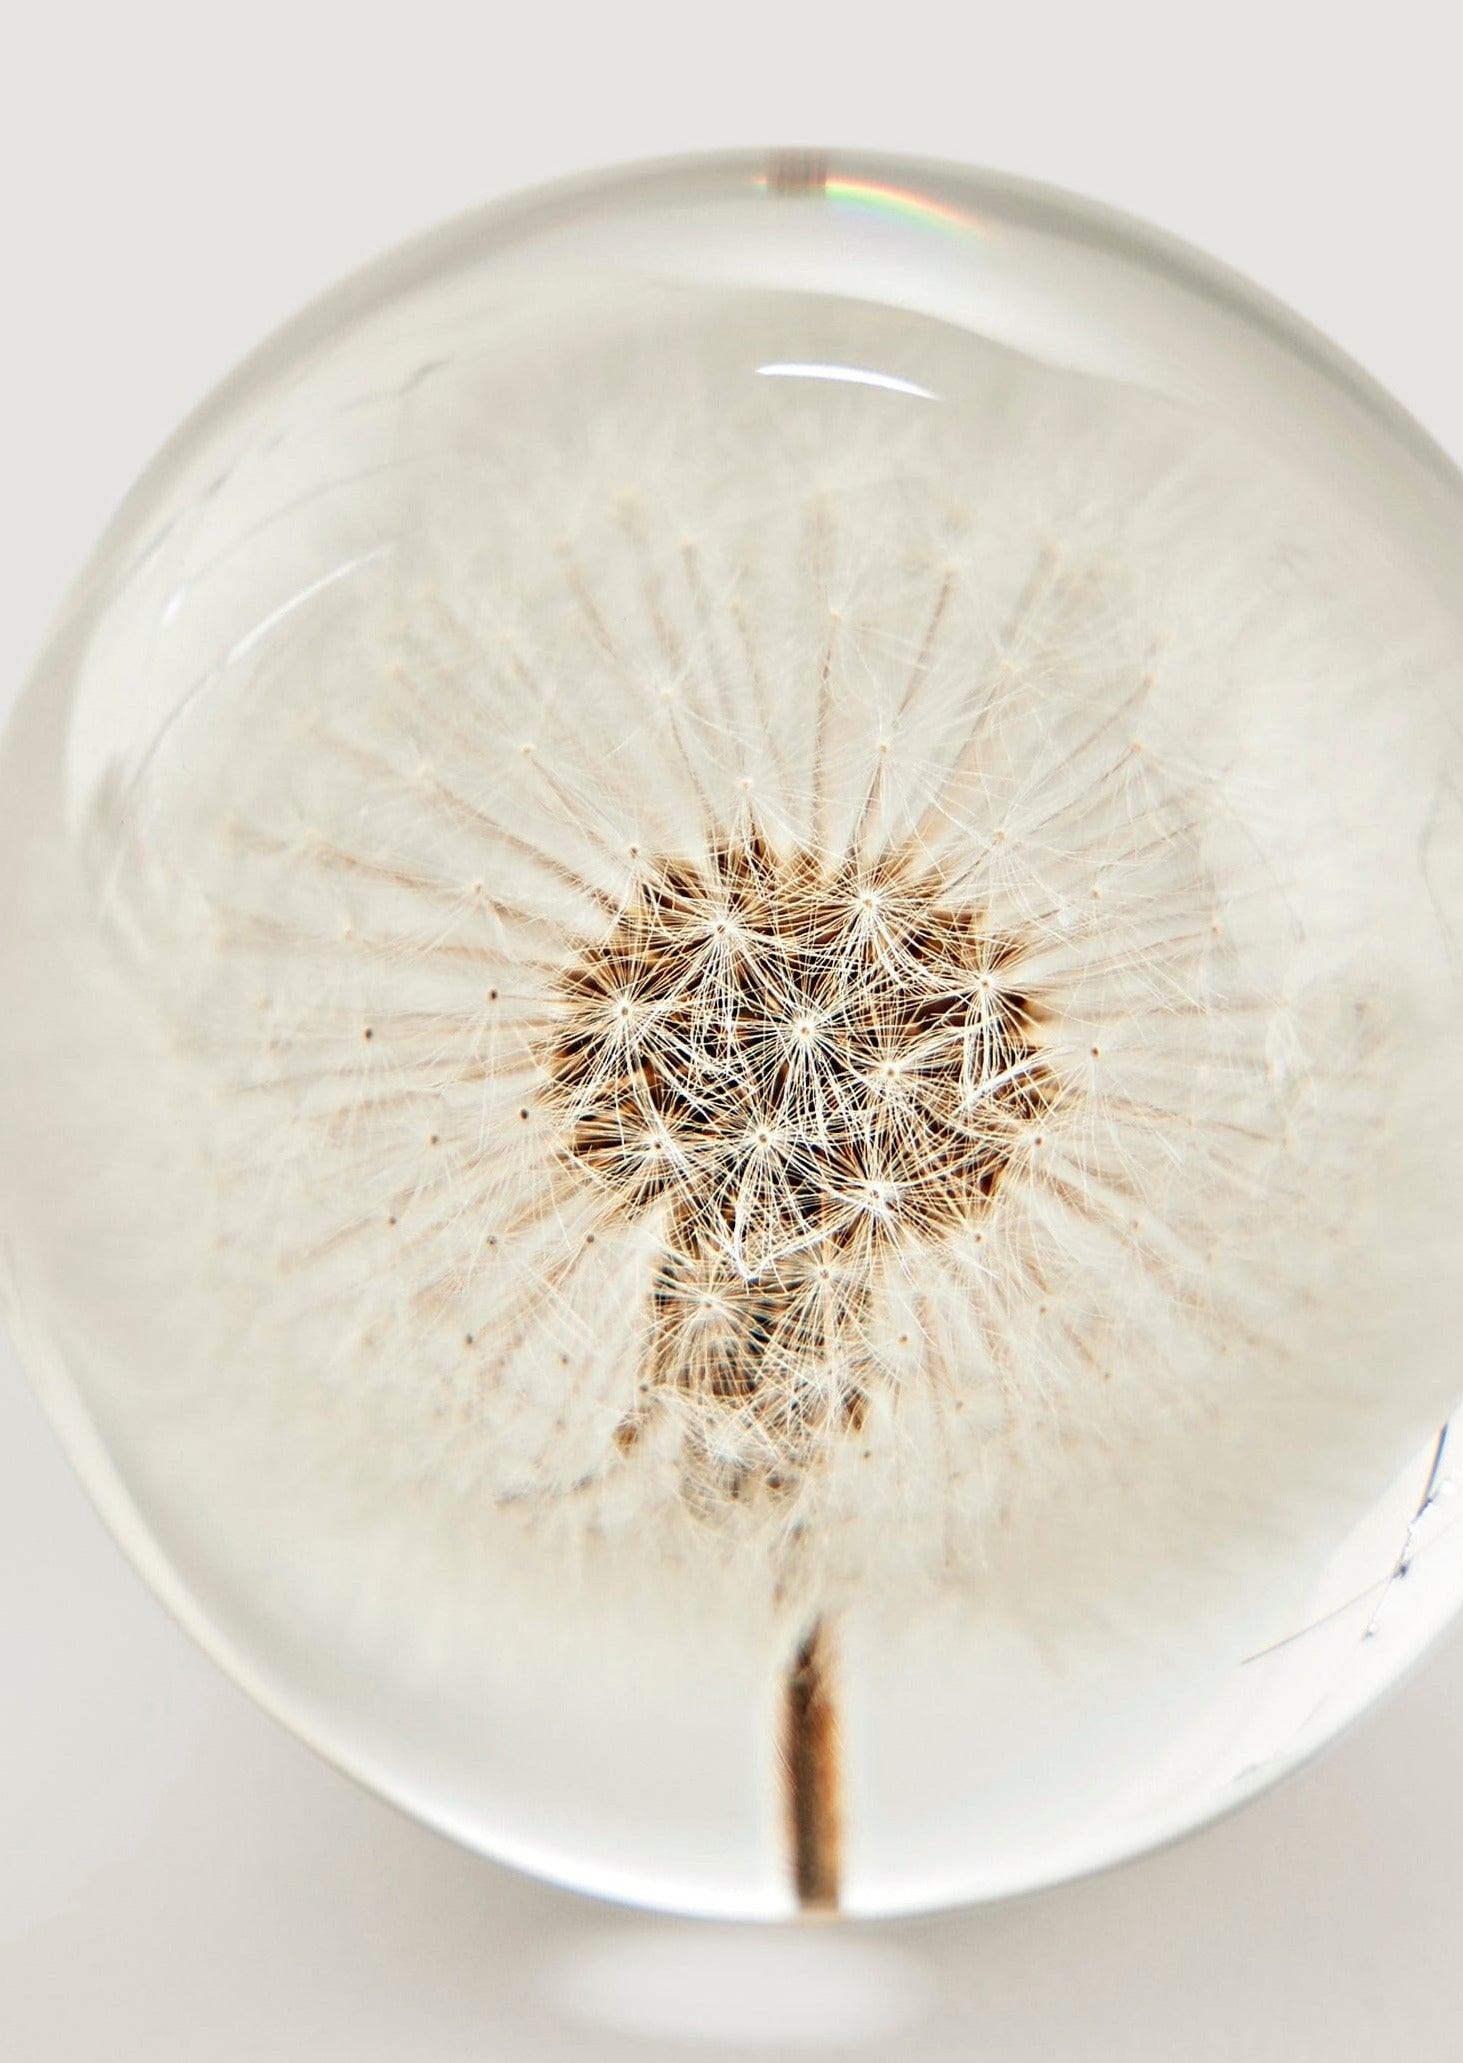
[178,1879]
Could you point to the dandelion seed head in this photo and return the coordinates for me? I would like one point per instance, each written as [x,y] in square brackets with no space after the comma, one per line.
[857,994]
[679,1120]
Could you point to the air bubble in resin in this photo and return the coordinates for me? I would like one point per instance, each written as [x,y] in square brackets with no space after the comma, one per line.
[731,1109]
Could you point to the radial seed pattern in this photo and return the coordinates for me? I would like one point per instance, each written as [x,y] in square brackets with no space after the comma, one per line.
[795,1070]
[744,986]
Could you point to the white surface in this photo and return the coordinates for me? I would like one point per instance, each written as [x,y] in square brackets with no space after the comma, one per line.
[177,1878]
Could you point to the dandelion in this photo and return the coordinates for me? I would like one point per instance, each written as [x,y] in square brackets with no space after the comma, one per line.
[786,1004]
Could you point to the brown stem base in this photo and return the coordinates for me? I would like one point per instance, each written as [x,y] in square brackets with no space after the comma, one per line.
[810,1773]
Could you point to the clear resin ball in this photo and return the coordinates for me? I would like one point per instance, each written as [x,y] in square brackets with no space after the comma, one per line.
[731,1106]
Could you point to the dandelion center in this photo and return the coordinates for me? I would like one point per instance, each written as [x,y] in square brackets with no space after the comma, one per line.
[796,1068]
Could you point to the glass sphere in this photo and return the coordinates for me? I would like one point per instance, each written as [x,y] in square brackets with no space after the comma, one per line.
[731,1109]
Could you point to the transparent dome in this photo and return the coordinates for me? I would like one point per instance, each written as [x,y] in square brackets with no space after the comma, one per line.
[731,1117]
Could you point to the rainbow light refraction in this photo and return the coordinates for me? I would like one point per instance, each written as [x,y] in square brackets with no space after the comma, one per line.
[898,203]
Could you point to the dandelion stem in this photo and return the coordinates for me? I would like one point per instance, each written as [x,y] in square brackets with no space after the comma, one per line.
[810,1773]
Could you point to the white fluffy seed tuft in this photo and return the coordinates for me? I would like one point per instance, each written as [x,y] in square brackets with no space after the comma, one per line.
[812,982]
